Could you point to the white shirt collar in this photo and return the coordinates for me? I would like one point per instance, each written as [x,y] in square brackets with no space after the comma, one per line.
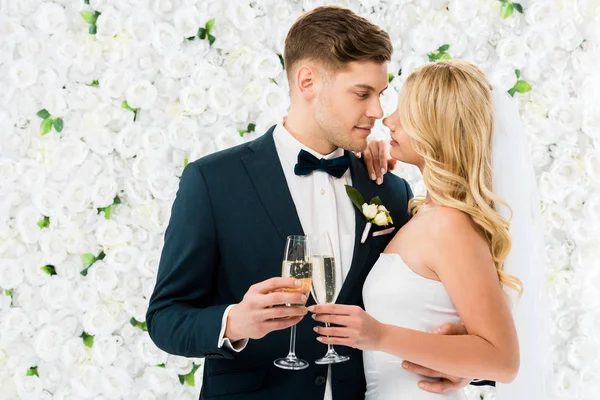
[288,146]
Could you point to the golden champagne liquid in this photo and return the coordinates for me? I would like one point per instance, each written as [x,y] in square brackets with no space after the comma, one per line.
[323,283]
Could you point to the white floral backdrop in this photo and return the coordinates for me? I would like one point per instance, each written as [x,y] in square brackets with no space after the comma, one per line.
[102,105]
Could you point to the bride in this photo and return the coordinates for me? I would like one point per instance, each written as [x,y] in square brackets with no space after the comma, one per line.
[448,263]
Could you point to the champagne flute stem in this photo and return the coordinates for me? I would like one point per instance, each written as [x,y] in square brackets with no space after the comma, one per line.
[329,346]
[292,353]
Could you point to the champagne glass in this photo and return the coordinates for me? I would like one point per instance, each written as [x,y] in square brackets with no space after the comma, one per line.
[324,284]
[296,264]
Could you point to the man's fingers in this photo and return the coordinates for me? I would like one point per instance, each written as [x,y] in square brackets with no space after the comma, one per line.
[281,312]
[420,370]
[280,324]
[273,284]
[451,329]
[278,298]
[437,387]
[392,162]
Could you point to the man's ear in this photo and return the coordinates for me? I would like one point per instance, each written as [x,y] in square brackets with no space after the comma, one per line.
[305,81]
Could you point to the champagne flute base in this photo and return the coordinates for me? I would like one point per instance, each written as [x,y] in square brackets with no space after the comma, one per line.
[331,358]
[291,363]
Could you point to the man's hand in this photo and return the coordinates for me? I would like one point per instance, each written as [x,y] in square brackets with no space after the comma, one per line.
[447,383]
[254,317]
[377,159]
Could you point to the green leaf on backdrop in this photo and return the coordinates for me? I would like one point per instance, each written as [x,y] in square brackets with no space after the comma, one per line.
[43,113]
[58,124]
[209,25]
[44,222]
[49,269]
[88,340]
[522,86]
[89,16]
[32,371]
[390,77]
[46,126]
[211,39]
[202,33]
[518,7]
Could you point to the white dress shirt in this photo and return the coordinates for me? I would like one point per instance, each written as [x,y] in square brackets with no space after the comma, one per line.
[323,207]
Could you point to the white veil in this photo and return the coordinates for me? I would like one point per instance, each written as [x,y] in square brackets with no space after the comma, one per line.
[513,179]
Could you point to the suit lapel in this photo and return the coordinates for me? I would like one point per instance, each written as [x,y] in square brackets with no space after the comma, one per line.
[361,181]
[266,173]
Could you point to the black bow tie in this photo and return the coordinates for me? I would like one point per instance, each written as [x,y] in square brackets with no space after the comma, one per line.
[307,163]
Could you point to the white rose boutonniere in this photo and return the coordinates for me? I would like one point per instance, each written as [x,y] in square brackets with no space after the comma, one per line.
[374,211]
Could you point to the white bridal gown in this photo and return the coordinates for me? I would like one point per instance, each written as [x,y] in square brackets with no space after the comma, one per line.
[395,295]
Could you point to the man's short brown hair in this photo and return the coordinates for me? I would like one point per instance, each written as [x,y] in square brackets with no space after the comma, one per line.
[335,36]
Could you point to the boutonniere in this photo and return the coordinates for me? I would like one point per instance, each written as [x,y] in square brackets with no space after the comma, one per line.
[374,211]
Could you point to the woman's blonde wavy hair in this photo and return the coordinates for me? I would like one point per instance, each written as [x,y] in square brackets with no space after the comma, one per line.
[446,109]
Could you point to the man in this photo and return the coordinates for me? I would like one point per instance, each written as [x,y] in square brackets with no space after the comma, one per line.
[234,209]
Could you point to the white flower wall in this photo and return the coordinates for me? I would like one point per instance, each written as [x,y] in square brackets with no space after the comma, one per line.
[102,105]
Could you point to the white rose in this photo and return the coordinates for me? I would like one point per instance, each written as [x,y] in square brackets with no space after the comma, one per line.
[15,323]
[105,349]
[85,297]
[252,92]
[86,381]
[182,133]
[542,14]
[109,23]
[177,65]
[165,38]
[117,383]
[52,244]
[30,48]
[28,387]
[128,141]
[187,20]
[229,138]
[148,264]
[66,47]
[369,210]
[122,259]
[114,82]
[425,38]
[163,185]
[100,141]
[181,365]
[99,321]
[154,141]
[77,196]
[148,352]
[148,287]
[48,342]
[381,219]
[140,26]
[11,274]
[161,380]
[50,18]
[104,191]
[267,65]
[22,74]
[103,277]
[275,99]
[141,94]
[74,352]
[222,99]
[241,15]
[68,320]
[194,100]
[463,10]
[136,307]
[565,381]
[510,50]
[205,75]
[591,121]
[137,192]
[503,76]
[26,220]
[56,292]
[110,233]
[52,375]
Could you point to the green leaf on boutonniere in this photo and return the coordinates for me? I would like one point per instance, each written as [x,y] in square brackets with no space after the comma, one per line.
[43,113]
[58,124]
[88,340]
[376,200]
[355,196]
[32,371]
[44,222]
[49,269]
[46,126]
